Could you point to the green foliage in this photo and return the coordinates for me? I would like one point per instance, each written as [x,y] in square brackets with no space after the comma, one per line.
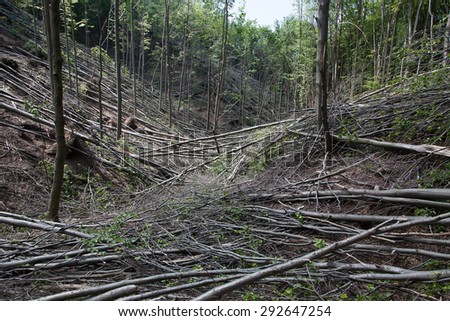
[439,177]
[69,188]
[107,60]
[432,265]
[299,218]
[234,212]
[112,234]
[258,164]
[220,165]
[424,212]
[319,243]
[251,296]
[375,293]
[435,289]
[31,108]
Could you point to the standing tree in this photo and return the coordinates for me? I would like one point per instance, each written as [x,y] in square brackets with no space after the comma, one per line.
[118,74]
[184,54]
[166,51]
[222,66]
[446,59]
[53,24]
[321,74]
[132,67]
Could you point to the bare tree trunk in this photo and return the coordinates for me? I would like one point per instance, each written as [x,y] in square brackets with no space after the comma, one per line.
[118,71]
[446,59]
[35,27]
[53,25]
[430,12]
[86,26]
[66,35]
[321,75]
[375,46]
[133,67]
[143,51]
[392,39]
[416,22]
[162,81]
[335,60]
[355,55]
[183,64]
[222,66]
[100,76]
[167,59]
[75,62]
[209,86]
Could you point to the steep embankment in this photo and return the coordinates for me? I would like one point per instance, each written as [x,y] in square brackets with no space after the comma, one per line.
[168,215]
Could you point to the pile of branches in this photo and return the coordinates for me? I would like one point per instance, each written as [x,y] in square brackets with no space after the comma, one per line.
[206,247]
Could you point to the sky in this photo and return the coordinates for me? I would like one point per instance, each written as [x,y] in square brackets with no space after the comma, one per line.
[266,12]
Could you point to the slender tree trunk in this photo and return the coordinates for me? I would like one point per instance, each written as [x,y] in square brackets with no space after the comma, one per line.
[335,61]
[446,59]
[100,62]
[66,35]
[300,62]
[241,91]
[356,52]
[375,45]
[222,66]
[86,26]
[416,21]
[143,51]
[321,76]
[430,12]
[392,40]
[53,25]
[35,27]
[75,59]
[162,75]
[209,87]
[118,71]
[385,53]
[183,64]
[167,59]
[132,69]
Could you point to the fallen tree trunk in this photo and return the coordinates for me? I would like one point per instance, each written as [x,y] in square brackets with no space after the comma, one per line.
[435,197]
[219,291]
[421,149]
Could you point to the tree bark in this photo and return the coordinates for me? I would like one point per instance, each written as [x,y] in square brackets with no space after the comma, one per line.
[53,24]
[209,87]
[66,34]
[75,60]
[167,59]
[321,74]
[100,76]
[222,66]
[118,71]
[446,58]
[132,54]
[183,64]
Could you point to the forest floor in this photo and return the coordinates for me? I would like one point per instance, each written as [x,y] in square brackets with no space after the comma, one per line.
[258,213]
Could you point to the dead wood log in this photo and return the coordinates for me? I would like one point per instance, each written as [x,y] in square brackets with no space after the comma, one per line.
[435,276]
[139,281]
[421,149]
[115,293]
[219,291]
[423,197]
[340,217]
[41,225]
